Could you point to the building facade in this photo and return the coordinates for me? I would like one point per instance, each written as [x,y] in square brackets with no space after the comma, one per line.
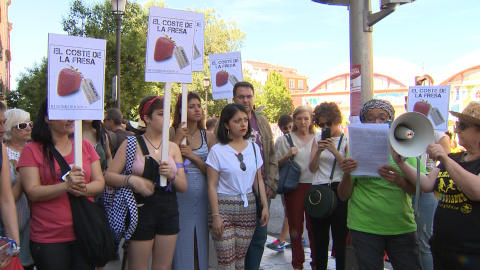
[5,54]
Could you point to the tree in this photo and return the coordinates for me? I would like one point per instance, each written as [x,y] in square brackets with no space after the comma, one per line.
[275,96]
[31,88]
[97,21]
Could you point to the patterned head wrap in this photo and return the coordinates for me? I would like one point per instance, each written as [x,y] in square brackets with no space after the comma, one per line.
[376,104]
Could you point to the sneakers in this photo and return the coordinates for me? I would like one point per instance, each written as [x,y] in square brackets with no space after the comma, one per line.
[277,246]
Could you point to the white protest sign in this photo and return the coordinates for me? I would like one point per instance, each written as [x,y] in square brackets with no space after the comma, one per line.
[76,74]
[170,46]
[225,72]
[198,47]
[433,102]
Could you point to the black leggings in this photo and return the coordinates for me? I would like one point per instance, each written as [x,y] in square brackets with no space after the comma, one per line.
[59,256]
[321,233]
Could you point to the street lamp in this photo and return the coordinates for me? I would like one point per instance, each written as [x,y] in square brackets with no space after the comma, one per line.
[118,8]
[206,84]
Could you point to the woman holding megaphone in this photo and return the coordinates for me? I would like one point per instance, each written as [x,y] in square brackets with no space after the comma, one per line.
[455,243]
[380,214]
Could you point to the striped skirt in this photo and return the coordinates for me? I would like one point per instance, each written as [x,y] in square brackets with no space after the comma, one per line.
[239,223]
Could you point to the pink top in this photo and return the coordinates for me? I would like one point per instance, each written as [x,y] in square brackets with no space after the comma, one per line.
[139,164]
[51,220]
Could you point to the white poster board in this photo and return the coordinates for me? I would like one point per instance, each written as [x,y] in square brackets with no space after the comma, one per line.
[198,47]
[433,102]
[76,74]
[225,72]
[369,140]
[169,54]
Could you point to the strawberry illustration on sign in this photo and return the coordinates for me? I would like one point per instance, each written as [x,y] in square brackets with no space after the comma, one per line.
[163,48]
[422,107]
[221,78]
[69,80]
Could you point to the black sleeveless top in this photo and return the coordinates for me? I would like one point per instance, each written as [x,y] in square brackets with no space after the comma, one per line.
[457,218]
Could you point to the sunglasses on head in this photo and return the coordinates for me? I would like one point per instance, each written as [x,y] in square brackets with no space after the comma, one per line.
[25,125]
[328,124]
[240,158]
[462,125]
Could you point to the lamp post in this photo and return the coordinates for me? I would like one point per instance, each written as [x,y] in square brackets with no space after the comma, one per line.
[206,84]
[118,8]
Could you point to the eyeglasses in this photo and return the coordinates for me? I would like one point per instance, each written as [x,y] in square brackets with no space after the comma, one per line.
[286,127]
[328,124]
[245,97]
[462,125]
[25,125]
[382,118]
[240,158]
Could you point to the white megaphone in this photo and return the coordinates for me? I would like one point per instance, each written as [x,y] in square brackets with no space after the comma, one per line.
[410,134]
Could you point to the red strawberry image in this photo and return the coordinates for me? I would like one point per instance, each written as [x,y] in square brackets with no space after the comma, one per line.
[69,80]
[422,107]
[163,48]
[221,77]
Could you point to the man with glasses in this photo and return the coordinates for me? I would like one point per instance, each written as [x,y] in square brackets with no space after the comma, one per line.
[243,94]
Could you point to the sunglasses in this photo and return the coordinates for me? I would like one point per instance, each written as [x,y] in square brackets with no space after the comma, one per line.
[240,158]
[286,127]
[462,125]
[25,125]
[328,124]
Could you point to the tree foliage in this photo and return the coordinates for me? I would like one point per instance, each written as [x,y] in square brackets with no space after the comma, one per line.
[31,88]
[97,21]
[275,96]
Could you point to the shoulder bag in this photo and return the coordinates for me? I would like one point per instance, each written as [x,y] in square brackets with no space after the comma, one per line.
[289,174]
[90,224]
[258,200]
[320,200]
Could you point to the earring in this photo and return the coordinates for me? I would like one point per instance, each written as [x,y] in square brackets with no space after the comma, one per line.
[228,132]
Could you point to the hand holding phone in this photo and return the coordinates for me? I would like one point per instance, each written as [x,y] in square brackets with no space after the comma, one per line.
[326,133]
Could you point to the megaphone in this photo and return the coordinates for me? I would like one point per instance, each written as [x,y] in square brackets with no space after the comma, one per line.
[410,134]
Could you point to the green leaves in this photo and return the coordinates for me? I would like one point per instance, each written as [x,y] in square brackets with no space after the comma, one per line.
[275,96]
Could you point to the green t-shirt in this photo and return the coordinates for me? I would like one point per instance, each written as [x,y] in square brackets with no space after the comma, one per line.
[379,207]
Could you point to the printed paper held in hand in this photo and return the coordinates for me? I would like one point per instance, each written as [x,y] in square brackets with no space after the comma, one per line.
[370,146]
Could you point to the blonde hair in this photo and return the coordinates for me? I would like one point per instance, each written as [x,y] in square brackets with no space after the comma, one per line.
[14,117]
[302,109]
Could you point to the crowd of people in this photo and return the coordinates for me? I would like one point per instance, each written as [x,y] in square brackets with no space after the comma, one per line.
[221,175]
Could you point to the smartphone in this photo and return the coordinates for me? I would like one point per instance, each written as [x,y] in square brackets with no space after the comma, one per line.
[326,133]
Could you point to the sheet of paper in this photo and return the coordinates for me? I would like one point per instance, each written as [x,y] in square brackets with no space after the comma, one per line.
[370,146]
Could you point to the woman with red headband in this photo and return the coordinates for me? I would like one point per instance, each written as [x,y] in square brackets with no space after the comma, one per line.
[157,227]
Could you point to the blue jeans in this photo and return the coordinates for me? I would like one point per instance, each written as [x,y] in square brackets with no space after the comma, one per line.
[426,207]
[402,250]
[257,245]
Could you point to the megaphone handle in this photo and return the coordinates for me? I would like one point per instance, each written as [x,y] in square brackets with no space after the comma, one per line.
[417,189]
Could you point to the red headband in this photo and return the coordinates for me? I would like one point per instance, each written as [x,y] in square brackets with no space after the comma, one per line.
[147,106]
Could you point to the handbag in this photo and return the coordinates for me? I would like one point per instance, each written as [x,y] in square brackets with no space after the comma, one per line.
[258,200]
[90,224]
[289,174]
[320,200]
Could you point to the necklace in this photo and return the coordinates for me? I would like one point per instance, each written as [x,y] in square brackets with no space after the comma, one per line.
[156,148]
[191,134]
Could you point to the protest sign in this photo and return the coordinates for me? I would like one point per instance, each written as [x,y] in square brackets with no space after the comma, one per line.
[170,44]
[433,102]
[225,72]
[76,74]
[198,47]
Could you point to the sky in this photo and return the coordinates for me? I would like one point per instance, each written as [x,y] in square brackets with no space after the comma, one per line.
[310,37]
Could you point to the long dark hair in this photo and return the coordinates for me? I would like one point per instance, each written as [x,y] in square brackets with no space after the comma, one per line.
[227,113]
[177,115]
[42,134]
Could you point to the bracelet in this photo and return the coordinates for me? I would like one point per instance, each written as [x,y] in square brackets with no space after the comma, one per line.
[173,179]
[127,180]
[83,194]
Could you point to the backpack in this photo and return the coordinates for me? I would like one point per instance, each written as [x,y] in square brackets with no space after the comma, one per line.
[112,140]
